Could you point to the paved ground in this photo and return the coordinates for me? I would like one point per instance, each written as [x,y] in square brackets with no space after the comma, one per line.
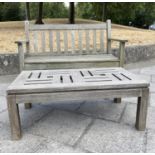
[84,126]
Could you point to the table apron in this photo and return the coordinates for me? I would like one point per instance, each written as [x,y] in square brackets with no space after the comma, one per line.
[77,95]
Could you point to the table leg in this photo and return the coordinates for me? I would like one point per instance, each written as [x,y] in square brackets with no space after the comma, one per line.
[117,100]
[142,106]
[28,105]
[14,117]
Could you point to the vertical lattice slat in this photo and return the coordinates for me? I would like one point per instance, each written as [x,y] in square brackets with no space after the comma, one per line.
[43,41]
[35,41]
[51,41]
[108,24]
[80,41]
[65,41]
[58,41]
[87,41]
[102,40]
[73,41]
[94,41]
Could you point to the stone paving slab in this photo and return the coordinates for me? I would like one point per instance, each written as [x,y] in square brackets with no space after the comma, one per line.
[152,99]
[50,146]
[130,100]
[152,87]
[25,145]
[28,116]
[3,88]
[3,104]
[112,137]
[69,106]
[150,148]
[151,118]
[61,126]
[148,70]
[129,116]
[152,78]
[105,109]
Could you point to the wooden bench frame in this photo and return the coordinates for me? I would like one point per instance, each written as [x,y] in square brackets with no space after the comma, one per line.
[24,48]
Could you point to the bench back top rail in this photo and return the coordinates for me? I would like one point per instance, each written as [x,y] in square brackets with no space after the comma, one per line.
[61,39]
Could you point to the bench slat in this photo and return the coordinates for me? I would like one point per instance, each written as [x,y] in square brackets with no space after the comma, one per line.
[43,41]
[73,41]
[80,41]
[58,41]
[102,40]
[35,41]
[51,41]
[65,40]
[94,41]
[87,40]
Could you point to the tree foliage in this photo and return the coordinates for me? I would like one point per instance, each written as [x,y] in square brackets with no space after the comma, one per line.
[10,11]
[140,14]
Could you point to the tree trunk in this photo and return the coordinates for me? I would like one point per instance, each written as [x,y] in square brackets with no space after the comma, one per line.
[71,13]
[104,11]
[27,11]
[40,12]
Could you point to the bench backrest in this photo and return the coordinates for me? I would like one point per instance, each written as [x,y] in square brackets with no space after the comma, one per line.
[63,39]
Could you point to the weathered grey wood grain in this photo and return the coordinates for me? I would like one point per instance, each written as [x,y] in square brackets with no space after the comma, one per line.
[102,41]
[75,84]
[94,41]
[63,47]
[65,41]
[43,41]
[80,41]
[51,41]
[142,107]
[58,41]
[87,41]
[35,41]
[14,117]
[67,27]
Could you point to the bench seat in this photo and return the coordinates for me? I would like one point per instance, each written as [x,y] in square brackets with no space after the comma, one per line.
[72,58]
[71,61]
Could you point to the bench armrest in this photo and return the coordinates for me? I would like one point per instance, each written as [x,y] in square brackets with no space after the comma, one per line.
[119,40]
[20,42]
[121,49]
[21,52]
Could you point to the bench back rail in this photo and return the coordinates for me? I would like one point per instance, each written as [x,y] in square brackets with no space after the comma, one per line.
[63,39]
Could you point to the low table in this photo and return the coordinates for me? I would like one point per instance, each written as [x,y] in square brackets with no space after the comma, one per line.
[75,84]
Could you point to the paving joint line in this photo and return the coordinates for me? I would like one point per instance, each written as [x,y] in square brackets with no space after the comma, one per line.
[81,104]
[122,114]
[144,147]
[84,133]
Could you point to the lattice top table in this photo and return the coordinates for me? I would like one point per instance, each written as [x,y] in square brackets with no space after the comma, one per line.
[75,79]
[75,84]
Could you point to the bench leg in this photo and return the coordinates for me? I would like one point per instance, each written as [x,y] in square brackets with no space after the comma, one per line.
[13,111]
[117,100]
[142,106]
[28,105]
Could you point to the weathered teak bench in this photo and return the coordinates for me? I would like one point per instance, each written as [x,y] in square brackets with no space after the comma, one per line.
[68,46]
[75,84]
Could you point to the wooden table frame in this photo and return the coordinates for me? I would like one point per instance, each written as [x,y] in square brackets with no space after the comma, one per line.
[14,98]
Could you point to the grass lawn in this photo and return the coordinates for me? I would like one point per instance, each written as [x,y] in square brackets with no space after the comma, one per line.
[12,31]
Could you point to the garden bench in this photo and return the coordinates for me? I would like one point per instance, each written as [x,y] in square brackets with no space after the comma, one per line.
[62,46]
[75,84]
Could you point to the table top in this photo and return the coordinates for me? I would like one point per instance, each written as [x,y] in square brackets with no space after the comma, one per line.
[42,81]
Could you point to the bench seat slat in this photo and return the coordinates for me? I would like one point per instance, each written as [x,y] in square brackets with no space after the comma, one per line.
[73,58]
